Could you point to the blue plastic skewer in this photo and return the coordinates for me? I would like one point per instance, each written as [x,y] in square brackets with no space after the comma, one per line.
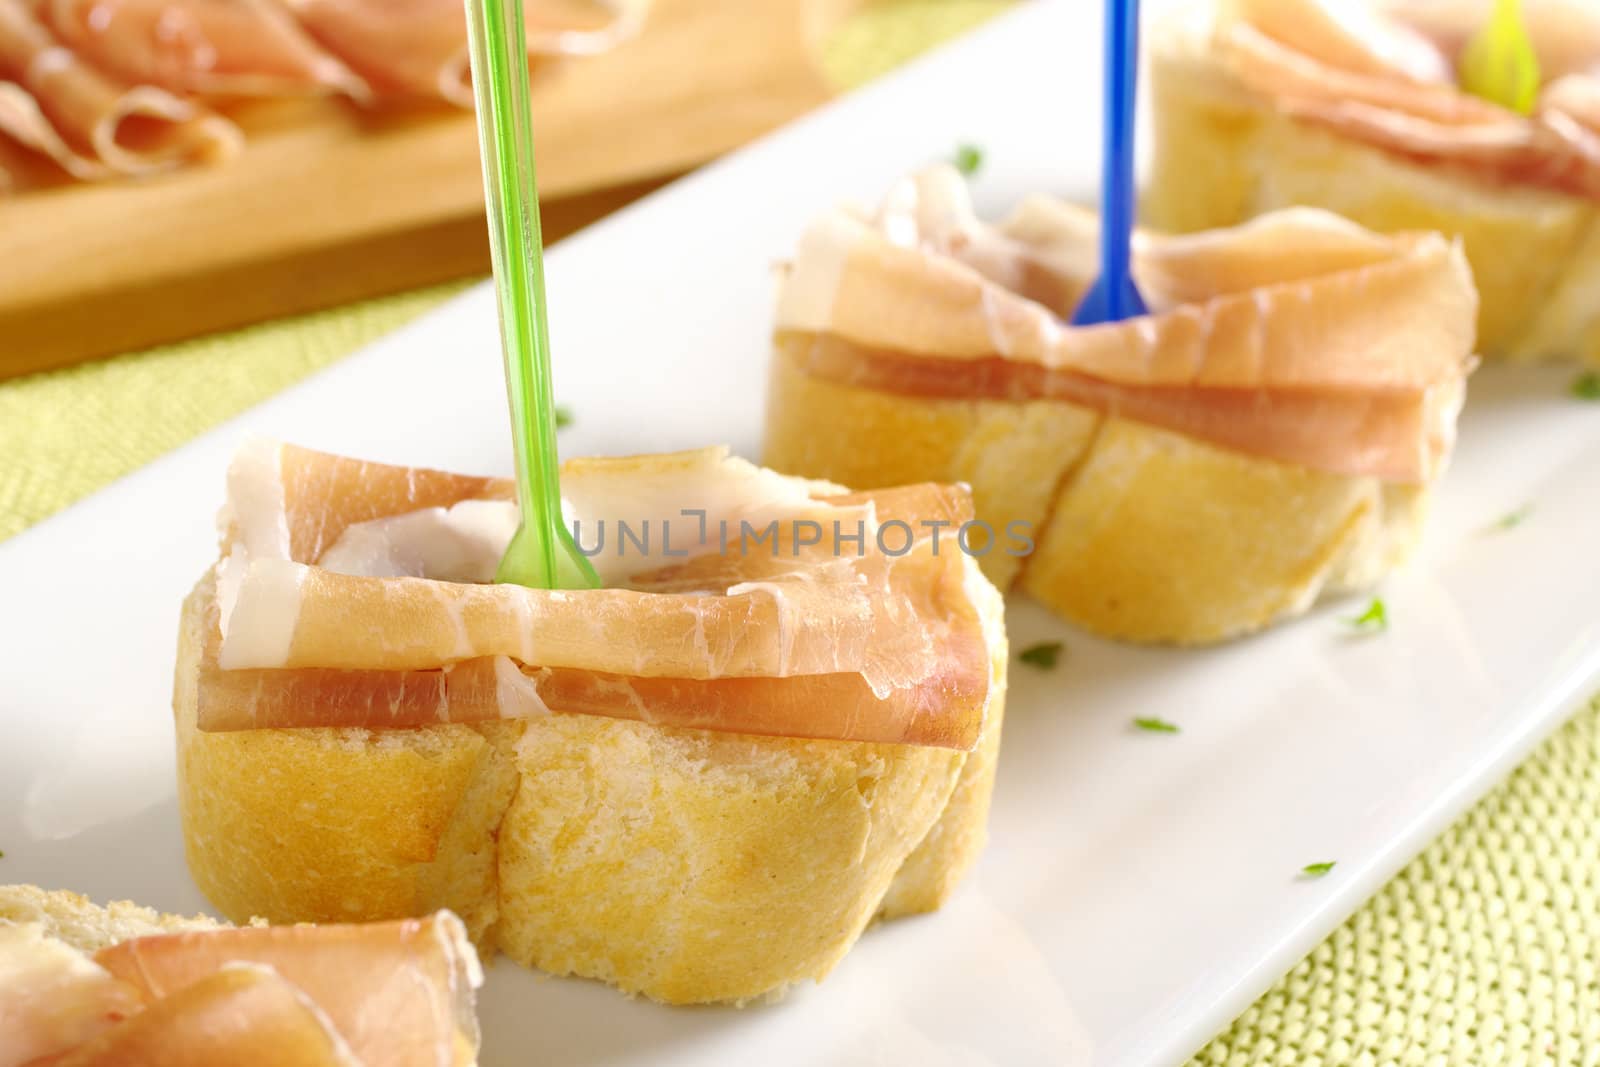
[1114,297]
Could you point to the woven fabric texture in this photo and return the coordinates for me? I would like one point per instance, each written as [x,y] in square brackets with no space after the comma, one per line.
[1481,952]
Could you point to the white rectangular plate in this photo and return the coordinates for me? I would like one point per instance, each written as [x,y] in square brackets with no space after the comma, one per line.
[1139,890]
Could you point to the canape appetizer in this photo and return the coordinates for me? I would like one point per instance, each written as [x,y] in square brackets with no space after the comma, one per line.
[121,986]
[777,720]
[1268,434]
[1355,107]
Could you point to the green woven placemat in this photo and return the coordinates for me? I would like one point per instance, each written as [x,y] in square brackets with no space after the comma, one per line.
[1482,952]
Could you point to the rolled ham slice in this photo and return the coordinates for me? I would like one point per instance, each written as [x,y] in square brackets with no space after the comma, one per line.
[419,47]
[243,1014]
[396,993]
[128,130]
[232,47]
[1361,71]
[24,123]
[350,594]
[1298,337]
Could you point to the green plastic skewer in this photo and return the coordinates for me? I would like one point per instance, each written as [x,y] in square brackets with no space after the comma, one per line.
[1499,63]
[542,554]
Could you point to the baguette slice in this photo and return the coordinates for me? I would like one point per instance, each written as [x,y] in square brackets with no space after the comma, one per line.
[687,865]
[123,986]
[1268,436]
[1227,151]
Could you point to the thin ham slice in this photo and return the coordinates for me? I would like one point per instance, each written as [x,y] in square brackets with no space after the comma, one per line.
[1298,337]
[24,123]
[233,47]
[244,1015]
[1357,69]
[746,632]
[1349,34]
[128,130]
[419,47]
[396,993]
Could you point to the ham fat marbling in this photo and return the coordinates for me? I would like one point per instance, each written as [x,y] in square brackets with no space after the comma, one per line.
[353,594]
[1298,337]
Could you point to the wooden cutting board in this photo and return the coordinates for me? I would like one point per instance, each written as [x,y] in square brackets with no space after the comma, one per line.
[328,204]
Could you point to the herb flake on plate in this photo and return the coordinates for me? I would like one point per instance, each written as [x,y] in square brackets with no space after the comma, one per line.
[1374,619]
[1044,656]
[1156,726]
[1512,519]
[968,159]
[1586,386]
[563,416]
[1317,870]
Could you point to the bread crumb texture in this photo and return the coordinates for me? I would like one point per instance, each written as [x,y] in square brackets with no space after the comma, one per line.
[83,924]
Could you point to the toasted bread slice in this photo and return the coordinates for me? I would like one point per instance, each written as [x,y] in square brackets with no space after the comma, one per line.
[684,865]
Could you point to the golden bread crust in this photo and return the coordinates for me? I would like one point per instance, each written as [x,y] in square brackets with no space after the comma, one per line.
[704,868]
[1141,534]
[1012,455]
[329,825]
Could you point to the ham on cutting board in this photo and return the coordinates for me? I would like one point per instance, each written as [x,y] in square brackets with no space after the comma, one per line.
[329,201]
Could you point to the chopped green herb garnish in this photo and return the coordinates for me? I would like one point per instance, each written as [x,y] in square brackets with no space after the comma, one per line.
[1512,519]
[1043,656]
[1586,386]
[1156,726]
[563,416]
[968,159]
[1317,870]
[1375,618]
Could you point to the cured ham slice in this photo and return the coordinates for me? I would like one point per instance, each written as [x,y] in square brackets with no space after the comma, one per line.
[243,1015]
[419,47]
[243,47]
[1361,72]
[128,130]
[396,993]
[1298,337]
[787,608]
[24,123]
[1348,34]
